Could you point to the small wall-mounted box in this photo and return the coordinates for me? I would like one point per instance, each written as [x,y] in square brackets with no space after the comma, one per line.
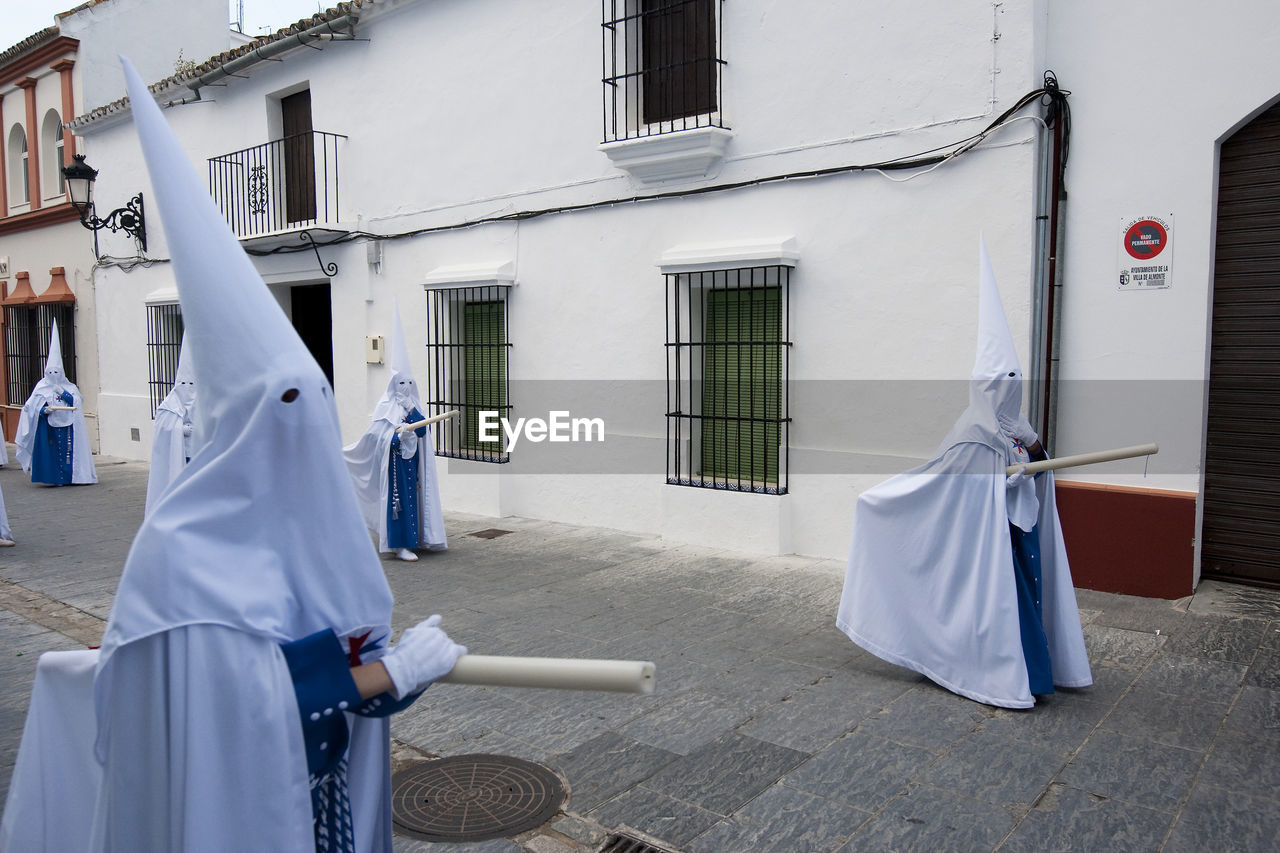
[373,349]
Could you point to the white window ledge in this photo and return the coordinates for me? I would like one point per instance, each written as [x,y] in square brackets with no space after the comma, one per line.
[163,296]
[497,274]
[707,257]
[684,155]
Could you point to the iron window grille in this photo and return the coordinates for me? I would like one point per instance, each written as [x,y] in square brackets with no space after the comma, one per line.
[164,344]
[728,404]
[27,330]
[661,67]
[280,185]
[467,359]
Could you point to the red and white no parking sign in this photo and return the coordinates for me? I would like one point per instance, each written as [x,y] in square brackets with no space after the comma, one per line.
[1146,252]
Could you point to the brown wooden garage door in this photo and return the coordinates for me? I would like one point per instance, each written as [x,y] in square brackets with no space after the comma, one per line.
[1241,533]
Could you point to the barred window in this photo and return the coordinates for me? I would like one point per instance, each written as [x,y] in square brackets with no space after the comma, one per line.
[27,331]
[661,67]
[164,343]
[728,419]
[467,351]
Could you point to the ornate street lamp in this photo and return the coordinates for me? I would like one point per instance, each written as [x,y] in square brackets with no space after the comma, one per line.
[129,219]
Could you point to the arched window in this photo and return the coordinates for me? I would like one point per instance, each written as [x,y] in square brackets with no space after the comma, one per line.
[19,186]
[51,180]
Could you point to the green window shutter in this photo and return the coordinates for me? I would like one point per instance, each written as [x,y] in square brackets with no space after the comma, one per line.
[484,341]
[742,386]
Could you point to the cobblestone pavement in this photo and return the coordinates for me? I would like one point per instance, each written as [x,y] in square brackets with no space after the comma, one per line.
[769,731]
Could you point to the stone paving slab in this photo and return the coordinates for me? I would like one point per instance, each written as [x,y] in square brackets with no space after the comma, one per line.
[1118,767]
[1069,820]
[769,730]
[657,815]
[924,818]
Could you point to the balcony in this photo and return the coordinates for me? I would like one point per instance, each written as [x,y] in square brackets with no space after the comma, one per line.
[280,187]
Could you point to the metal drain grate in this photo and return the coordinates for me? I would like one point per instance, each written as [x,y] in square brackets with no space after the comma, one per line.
[473,798]
[621,842]
[490,533]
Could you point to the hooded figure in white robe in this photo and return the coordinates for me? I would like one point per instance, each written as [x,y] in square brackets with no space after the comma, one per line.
[6,535]
[231,710]
[395,470]
[171,435]
[958,571]
[52,441]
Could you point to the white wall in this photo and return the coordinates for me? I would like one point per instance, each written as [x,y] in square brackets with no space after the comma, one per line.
[456,111]
[1154,93]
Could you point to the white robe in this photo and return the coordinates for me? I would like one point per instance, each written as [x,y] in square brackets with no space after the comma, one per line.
[367,460]
[222,700]
[56,779]
[170,448]
[930,580]
[5,532]
[46,394]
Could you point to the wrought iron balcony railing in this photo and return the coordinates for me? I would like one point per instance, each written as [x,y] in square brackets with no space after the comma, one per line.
[282,185]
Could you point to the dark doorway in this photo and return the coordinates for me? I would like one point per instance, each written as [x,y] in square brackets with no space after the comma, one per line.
[1241,527]
[299,157]
[313,320]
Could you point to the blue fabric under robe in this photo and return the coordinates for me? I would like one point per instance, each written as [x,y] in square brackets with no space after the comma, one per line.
[322,682]
[1027,577]
[51,454]
[403,513]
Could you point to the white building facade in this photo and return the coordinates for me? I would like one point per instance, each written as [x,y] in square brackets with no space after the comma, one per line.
[733,252]
[46,256]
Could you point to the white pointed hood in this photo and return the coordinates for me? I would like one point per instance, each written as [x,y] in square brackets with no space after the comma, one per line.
[401,395]
[261,532]
[53,370]
[997,375]
[995,383]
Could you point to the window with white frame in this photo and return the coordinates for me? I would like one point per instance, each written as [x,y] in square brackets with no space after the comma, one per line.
[661,67]
[467,355]
[728,414]
[19,181]
[51,180]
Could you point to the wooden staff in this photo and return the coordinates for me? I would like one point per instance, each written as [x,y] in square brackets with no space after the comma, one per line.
[452,413]
[618,676]
[1085,459]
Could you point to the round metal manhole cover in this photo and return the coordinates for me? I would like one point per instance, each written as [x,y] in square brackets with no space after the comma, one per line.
[473,798]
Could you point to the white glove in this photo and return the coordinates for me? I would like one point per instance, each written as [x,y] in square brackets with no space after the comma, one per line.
[186,429]
[1019,428]
[1016,477]
[423,654]
[408,444]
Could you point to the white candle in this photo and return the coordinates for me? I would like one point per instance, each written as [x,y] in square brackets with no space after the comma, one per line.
[1086,458]
[452,413]
[619,676]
